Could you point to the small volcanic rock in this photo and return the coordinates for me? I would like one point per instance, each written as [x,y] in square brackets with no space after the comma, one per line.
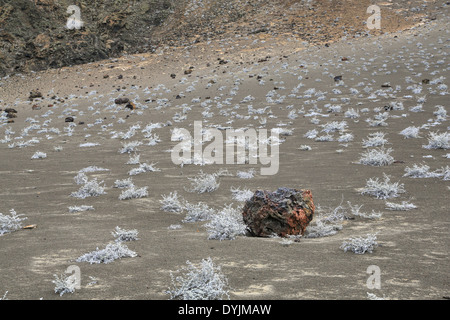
[283,212]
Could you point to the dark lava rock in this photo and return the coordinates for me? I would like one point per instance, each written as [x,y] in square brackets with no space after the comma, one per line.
[121,101]
[283,212]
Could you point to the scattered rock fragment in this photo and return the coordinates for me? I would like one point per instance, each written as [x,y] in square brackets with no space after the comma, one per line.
[284,212]
[121,101]
[34,94]
[69,119]
[130,105]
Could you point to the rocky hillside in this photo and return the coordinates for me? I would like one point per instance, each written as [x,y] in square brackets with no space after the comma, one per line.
[34,35]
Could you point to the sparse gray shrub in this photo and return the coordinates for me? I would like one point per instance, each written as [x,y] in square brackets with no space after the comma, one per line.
[171,203]
[241,195]
[10,223]
[83,208]
[4,296]
[404,206]
[377,157]
[356,211]
[39,155]
[124,183]
[419,171]
[383,189]
[143,167]
[246,174]
[226,224]
[438,141]
[91,188]
[360,245]
[325,138]
[305,147]
[204,182]
[206,282]
[122,235]
[198,212]
[319,228]
[65,284]
[410,132]
[346,137]
[129,147]
[375,140]
[111,252]
[334,126]
[133,193]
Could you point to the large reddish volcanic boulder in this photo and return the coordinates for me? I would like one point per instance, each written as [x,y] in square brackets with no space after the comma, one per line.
[283,212]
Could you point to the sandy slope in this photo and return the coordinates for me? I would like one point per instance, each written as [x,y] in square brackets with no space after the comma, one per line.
[413,254]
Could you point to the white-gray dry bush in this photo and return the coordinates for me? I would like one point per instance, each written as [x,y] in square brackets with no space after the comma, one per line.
[65,284]
[443,173]
[111,252]
[438,141]
[305,147]
[93,169]
[418,108]
[383,189]
[351,113]
[11,222]
[334,126]
[39,155]
[205,282]
[404,206]
[122,235]
[419,171]
[171,203]
[440,113]
[129,147]
[4,296]
[346,137]
[241,195]
[90,188]
[204,182]
[133,193]
[246,174]
[311,134]
[81,178]
[143,167]
[372,296]
[376,139]
[226,224]
[377,122]
[124,183]
[134,159]
[319,228]
[325,138]
[198,212]
[356,211]
[89,144]
[410,132]
[360,245]
[377,157]
[83,208]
